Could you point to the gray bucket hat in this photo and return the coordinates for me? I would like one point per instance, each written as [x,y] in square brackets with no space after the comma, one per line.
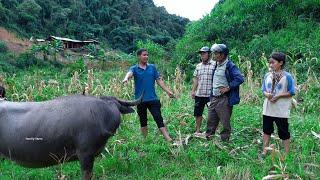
[221,48]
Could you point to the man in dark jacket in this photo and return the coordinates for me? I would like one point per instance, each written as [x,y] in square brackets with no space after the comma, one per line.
[225,92]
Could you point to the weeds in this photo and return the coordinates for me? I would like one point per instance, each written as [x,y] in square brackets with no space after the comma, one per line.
[128,155]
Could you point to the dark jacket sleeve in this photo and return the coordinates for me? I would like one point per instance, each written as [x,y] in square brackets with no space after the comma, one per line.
[236,78]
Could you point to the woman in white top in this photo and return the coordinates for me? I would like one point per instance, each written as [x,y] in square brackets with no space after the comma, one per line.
[278,89]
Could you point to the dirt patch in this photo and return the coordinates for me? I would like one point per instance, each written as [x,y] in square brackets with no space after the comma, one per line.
[14,44]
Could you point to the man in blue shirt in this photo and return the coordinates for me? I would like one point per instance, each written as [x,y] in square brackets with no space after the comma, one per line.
[145,75]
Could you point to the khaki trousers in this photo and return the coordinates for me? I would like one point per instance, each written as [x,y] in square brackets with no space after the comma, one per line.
[219,110]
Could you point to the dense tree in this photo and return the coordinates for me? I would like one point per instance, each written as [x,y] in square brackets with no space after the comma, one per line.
[120,22]
[254,29]
[28,11]
[3,12]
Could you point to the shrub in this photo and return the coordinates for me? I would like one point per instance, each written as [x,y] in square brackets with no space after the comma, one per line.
[3,47]
[27,59]
[157,55]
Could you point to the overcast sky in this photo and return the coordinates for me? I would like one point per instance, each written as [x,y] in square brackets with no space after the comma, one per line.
[192,9]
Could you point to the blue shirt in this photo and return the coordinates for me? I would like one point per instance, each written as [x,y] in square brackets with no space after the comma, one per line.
[144,80]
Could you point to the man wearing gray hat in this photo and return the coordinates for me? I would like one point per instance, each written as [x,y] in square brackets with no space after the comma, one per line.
[226,79]
[202,84]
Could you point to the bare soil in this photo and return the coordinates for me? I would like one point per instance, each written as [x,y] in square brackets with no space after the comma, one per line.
[14,43]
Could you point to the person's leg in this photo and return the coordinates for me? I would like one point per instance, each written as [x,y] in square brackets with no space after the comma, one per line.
[198,111]
[144,131]
[213,119]
[155,110]
[267,131]
[198,124]
[165,133]
[283,132]
[142,113]
[224,112]
[266,140]
[286,145]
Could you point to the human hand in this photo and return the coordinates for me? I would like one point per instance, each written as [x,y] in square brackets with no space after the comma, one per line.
[170,94]
[193,94]
[223,90]
[125,81]
[268,95]
[274,99]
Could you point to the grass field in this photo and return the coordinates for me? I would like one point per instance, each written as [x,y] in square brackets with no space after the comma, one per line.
[129,156]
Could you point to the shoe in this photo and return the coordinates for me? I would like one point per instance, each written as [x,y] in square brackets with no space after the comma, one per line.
[197,133]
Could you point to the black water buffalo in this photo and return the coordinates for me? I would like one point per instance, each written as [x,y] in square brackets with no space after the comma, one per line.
[41,134]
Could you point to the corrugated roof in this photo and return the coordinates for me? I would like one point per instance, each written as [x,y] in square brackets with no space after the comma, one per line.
[65,39]
[71,40]
[40,40]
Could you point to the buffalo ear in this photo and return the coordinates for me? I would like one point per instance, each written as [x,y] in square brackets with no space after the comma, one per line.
[126,109]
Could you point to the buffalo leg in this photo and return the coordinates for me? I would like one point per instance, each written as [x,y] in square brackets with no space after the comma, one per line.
[86,163]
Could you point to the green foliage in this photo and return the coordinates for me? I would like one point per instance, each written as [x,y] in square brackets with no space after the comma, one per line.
[3,47]
[3,13]
[28,14]
[29,7]
[56,45]
[307,97]
[121,23]
[127,153]
[157,55]
[10,62]
[5,65]
[26,60]
[155,51]
[78,66]
[96,53]
[254,28]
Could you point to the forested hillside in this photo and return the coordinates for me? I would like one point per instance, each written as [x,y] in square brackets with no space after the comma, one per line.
[119,22]
[253,28]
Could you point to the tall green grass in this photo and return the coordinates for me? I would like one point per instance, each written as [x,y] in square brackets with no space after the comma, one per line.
[128,155]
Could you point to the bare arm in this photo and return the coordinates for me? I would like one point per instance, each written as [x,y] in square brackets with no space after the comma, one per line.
[127,77]
[160,82]
[194,87]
